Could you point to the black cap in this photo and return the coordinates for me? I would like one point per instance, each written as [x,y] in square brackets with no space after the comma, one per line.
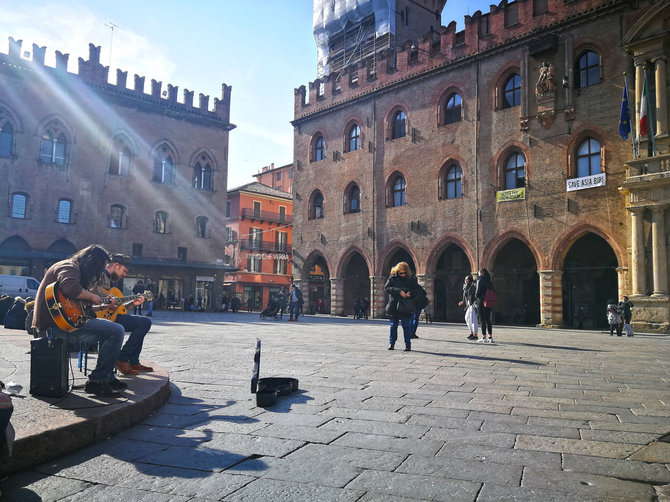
[122,259]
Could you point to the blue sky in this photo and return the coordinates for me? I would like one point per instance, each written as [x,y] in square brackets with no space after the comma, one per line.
[264,49]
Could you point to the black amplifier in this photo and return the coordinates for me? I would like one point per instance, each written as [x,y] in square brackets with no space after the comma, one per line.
[48,367]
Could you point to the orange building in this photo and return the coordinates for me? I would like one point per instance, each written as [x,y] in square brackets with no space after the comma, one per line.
[258,238]
[279,178]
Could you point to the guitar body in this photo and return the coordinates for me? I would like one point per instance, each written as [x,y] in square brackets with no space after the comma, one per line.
[69,315]
[111,312]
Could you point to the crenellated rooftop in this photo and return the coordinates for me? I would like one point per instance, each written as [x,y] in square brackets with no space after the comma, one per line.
[94,74]
[503,24]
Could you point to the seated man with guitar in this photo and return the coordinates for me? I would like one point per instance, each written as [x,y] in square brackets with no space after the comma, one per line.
[128,362]
[63,309]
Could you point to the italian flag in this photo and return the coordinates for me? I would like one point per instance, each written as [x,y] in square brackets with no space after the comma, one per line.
[644,112]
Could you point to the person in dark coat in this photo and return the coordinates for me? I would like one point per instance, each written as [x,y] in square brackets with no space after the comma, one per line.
[400,284]
[483,284]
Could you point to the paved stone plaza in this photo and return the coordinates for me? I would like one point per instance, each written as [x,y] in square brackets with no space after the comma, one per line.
[542,415]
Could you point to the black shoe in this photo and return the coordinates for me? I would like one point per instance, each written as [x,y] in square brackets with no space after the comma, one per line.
[415,336]
[149,314]
[117,384]
[102,389]
[391,346]
[408,349]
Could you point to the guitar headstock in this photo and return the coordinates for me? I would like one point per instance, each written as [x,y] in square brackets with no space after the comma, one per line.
[148,295]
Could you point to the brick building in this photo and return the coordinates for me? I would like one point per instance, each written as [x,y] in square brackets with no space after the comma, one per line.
[258,238]
[496,147]
[84,161]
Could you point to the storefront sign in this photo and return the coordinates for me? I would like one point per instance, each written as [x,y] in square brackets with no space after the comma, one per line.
[204,278]
[512,194]
[265,256]
[597,180]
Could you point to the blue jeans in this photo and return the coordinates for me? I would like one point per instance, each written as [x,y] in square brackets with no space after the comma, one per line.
[415,321]
[138,327]
[294,310]
[406,330]
[110,336]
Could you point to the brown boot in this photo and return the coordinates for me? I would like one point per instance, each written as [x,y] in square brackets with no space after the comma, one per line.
[141,367]
[125,368]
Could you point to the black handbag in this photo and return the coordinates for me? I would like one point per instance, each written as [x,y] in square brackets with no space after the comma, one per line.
[405,306]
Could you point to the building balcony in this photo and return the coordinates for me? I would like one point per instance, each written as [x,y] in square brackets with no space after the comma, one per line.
[265,246]
[262,216]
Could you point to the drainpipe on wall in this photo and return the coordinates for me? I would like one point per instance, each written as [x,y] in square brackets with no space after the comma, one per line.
[476,152]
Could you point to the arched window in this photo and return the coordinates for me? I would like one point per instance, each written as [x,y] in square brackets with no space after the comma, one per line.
[116,214]
[352,199]
[318,148]
[316,207]
[119,157]
[588,158]
[453,184]
[64,211]
[588,69]
[398,192]
[398,129]
[512,91]
[160,222]
[452,109]
[354,138]
[202,174]
[164,169]
[515,171]
[6,139]
[201,226]
[19,205]
[53,145]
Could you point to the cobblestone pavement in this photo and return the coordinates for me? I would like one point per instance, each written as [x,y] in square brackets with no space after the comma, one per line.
[539,415]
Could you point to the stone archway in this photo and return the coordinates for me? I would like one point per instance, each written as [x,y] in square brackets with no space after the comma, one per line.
[355,281]
[450,270]
[396,257]
[315,284]
[589,280]
[15,257]
[517,284]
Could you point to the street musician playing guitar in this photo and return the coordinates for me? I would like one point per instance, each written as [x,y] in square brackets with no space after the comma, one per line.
[128,361]
[72,279]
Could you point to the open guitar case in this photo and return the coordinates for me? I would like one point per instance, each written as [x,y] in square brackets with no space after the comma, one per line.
[267,390]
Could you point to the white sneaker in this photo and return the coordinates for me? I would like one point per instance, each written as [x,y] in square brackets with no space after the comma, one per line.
[488,340]
[481,340]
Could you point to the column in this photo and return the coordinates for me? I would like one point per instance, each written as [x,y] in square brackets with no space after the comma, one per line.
[551,298]
[639,85]
[660,258]
[336,300]
[374,304]
[661,97]
[380,297]
[621,281]
[639,279]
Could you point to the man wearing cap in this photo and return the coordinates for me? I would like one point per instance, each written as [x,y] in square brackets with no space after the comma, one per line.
[128,362]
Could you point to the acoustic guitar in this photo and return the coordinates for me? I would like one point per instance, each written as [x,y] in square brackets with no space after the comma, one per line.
[122,303]
[69,315]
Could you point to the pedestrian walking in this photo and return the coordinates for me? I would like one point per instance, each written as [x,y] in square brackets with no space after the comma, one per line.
[486,301]
[401,287]
[469,303]
[614,317]
[420,301]
[625,306]
[428,312]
